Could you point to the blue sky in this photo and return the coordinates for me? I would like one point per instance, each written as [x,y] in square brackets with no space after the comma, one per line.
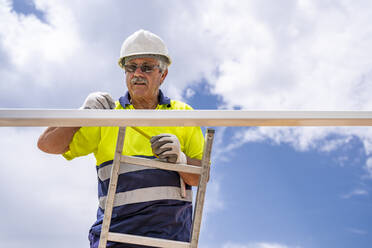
[280,187]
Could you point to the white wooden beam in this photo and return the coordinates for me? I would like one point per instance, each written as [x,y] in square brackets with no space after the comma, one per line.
[38,117]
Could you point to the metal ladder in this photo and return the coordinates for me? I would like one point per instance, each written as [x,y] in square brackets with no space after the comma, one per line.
[203,171]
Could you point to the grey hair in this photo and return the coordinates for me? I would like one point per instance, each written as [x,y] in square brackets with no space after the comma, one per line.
[162,65]
[163,61]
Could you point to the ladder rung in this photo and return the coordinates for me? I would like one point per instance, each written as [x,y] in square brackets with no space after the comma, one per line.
[161,165]
[140,240]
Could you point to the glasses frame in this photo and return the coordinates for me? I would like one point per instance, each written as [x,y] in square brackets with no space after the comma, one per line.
[142,68]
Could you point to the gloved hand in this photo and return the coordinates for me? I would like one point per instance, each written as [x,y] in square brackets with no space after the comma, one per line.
[167,146]
[98,100]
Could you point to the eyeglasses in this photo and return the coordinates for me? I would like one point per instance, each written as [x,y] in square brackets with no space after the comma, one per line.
[144,68]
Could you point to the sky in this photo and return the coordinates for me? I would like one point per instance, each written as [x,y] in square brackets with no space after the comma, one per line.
[270,187]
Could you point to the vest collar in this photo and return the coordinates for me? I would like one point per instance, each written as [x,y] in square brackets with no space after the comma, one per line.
[125,100]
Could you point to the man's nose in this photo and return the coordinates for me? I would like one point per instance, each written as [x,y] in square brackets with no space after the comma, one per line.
[138,71]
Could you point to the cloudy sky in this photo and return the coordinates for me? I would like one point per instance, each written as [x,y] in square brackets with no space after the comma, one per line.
[270,187]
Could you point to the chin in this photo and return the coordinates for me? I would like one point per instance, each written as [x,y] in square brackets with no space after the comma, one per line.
[139,93]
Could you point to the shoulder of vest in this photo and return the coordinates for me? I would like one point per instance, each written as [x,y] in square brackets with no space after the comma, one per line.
[180,105]
[118,105]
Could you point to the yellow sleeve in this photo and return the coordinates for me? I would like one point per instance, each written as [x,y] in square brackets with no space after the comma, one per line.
[193,136]
[194,142]
[84,142]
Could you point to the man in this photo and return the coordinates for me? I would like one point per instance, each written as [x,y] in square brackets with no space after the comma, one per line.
[149,202]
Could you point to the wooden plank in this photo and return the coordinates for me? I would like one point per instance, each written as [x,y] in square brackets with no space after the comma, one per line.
[140,240]
[161,165]
[60,118]
[202,187]
[112,189]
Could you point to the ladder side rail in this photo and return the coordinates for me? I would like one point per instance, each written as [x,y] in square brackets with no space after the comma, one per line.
[112,189]
[199,204]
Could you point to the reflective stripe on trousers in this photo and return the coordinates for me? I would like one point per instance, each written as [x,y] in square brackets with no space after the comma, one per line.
[147,194]
[139,195]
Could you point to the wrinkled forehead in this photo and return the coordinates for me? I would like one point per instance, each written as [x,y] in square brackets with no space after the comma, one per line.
[142,59]
[157,57]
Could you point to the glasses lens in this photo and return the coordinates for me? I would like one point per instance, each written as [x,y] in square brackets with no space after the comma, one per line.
[147,68]
[130,68]
[144,68]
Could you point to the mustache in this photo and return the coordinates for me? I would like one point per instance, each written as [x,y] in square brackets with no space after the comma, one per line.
[138,80]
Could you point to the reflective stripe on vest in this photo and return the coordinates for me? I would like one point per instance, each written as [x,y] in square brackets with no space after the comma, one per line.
[147,194]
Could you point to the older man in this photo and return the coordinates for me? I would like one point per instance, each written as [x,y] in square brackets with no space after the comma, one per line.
[149,201]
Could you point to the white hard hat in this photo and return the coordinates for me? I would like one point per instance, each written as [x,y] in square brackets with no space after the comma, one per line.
[144,43]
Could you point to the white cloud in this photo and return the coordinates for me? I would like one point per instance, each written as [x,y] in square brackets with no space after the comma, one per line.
[33,47]
[323,139]
[330,145]
[356,192]
[301,139]
[369,166]
[40,191]
[316,56]
[256,245]
[76,50]
[190,93]
[292,55]
[255,54]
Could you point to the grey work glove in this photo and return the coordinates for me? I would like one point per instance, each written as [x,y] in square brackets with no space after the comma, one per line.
[167,146]
[98,100]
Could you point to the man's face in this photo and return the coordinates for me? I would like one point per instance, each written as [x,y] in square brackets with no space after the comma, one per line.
[144,84]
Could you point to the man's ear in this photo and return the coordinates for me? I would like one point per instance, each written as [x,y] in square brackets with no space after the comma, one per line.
[164,75]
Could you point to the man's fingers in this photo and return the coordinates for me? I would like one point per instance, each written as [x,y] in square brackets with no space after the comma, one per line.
[161,150]
[98,100]
[159,146]
[171,158]
[167,146]
[159,143]
[109,100]
[102,101]
[157,137]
